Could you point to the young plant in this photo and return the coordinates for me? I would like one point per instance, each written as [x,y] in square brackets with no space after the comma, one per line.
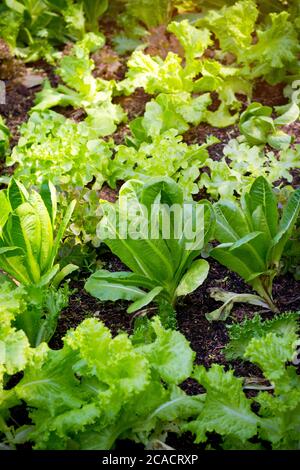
[253,236]
[33,312]
[159,247]
[28,246]
[274,418]
[259,128]
[93,9]
[82,90]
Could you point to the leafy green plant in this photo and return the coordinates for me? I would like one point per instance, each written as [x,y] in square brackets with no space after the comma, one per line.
[93,9]
[28,247]
[162,155]
[172,111]
[163,265]
[72,153]
[98,389]
[82,89]
[273,55]
[242,163]
[36,28]
[33,310]
[150,12]
[240,334]
[228,412]
[253,236]
[258,126]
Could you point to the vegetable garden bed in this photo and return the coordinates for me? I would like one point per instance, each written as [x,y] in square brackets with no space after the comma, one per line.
[185,343]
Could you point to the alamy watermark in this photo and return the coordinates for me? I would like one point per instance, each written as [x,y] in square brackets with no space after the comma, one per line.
[127,219]
[2,92]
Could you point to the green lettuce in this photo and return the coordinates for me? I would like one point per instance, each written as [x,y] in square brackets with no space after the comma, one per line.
[98,389]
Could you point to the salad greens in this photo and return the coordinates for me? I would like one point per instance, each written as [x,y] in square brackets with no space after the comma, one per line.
[28,244]
[252,236]
[162,144]
[163,265]
[35,28]
[97,389]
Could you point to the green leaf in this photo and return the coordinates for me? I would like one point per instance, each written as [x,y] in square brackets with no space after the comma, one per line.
[241,334]
[193,278]
[145,300]
[261,194]
[5,210]
[62,229]
[231,223]
[229,299]
[194,41]
[226,409]
[63,273]
[115,286]
[48,194]
[16,193]
[271,353]
[46,230]
[169,354]
[287,222]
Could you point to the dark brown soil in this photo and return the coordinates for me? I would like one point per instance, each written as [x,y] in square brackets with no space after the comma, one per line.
[207,338]
[19,100]
[200,133]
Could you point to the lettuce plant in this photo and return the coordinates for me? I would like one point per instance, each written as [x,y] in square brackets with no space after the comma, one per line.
[93,9]
[242,163]
[28,245]
[258,127]
[82,90]
[36,28]
[172,111]
[98,389]
[253,236]
[163,265]
[162,155]
[72,153]
[226,409]
[33,311]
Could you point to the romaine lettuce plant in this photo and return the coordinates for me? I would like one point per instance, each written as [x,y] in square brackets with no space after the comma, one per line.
[253,236]
[28,245]
[163,265]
